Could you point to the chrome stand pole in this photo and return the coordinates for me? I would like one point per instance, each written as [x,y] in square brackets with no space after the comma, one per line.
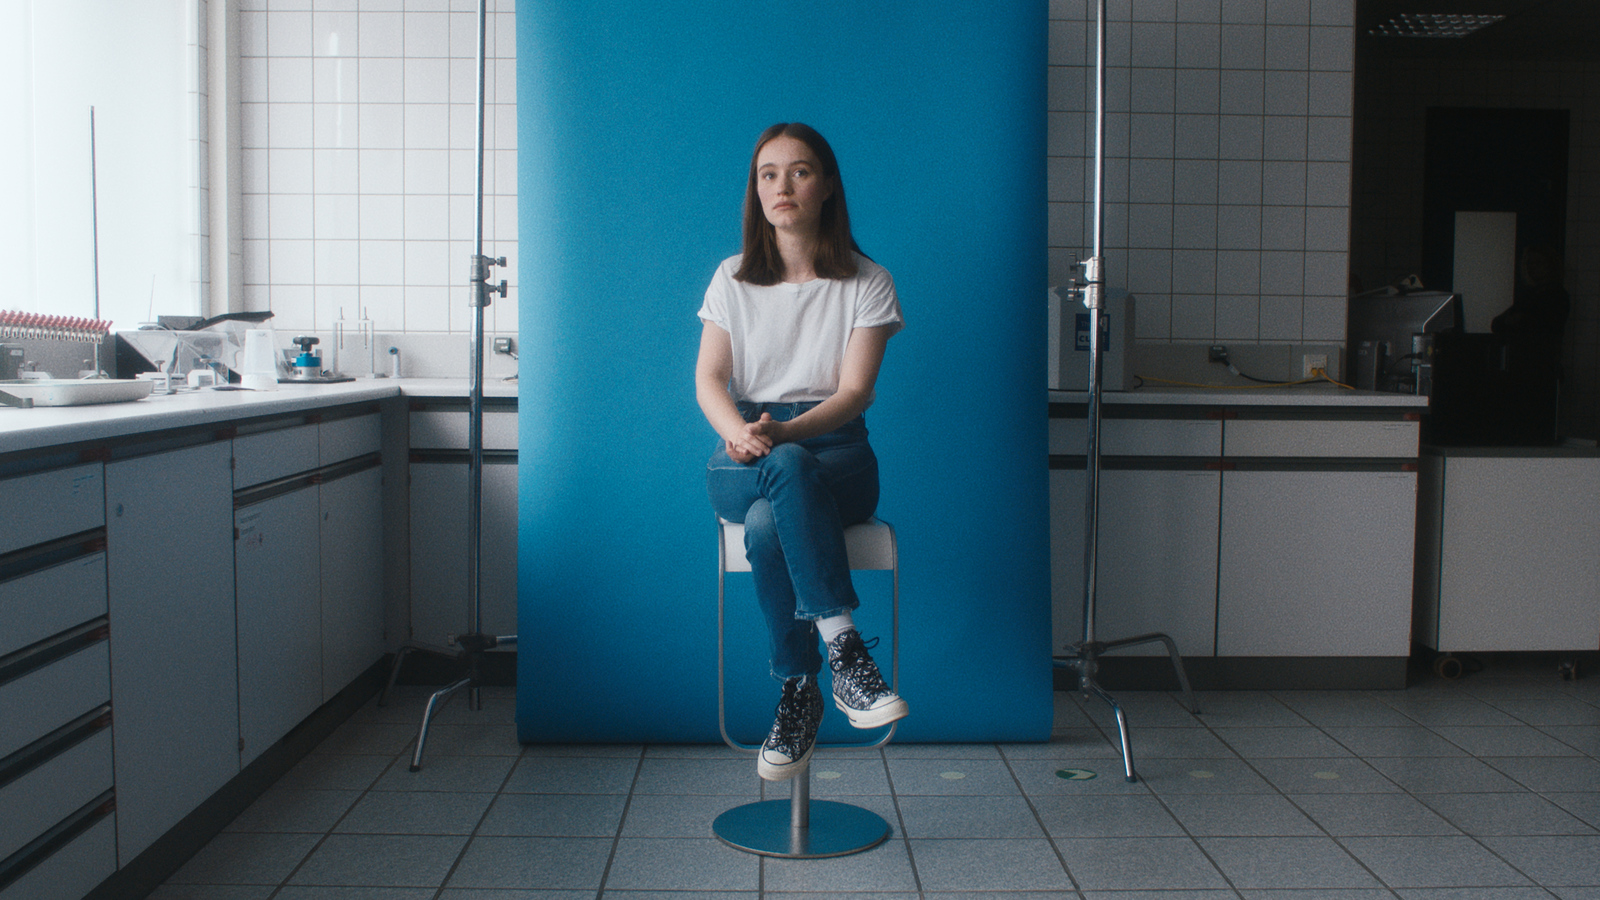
[469,647]
[1086,653]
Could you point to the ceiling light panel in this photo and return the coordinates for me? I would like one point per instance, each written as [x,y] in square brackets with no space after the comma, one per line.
[1434,25]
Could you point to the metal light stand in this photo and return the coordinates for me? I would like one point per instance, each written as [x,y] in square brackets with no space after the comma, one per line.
[1086,658]
[469,648]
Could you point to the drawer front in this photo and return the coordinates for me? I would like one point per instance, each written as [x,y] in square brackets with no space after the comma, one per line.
[45,699]
[72,871]
[50,505]
[1139,437]
[48,794]
[271,455]
[50,601]
[1319,438]
[343,439]
[447,430]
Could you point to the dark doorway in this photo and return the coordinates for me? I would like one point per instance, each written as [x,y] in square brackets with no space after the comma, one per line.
[1492,160]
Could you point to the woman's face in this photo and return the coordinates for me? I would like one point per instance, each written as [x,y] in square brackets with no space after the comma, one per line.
[791,185]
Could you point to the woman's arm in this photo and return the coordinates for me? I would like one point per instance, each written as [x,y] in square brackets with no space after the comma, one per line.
[858,373]
[712,370]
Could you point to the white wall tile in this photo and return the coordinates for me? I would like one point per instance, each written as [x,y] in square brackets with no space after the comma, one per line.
[1238,272]
[1327,273]
[382,171]
[1288,47]
[336,216]
[1199,45]
[289,125]
[1332,49]
[289,34]
[335,171]
[1238,318]
[289,216]
[1286,93]
[337,262]
[290,80]
[1284,138]
[1283,228]
[1283,183]
[1281,318]
[290,261]
[1243,92]
[1153,317]
[382,262]
[1194,271]
[290,171]
[427,171]
[427,34]
[1194,317]
[381,80]
[335,79]
[382,217]
[427,217]
[294,308]
[382,34]
[427,80]
[335,125]
[427,308]
[1238,181]
[1243,46]
[1282,272]
[1324,319]
[427,126]
[1239,137]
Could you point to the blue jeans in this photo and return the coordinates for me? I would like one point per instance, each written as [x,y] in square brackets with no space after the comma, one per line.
[795,503]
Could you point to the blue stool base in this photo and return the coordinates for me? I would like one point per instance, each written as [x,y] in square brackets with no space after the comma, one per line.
[765,828]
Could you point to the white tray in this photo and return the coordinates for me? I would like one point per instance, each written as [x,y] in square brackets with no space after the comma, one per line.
[65,392]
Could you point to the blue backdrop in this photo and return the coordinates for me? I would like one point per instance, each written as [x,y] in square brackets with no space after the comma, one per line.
[635,126]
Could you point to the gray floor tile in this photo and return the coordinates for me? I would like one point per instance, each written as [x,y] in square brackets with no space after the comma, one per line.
[941,751]
[1106,815]
[1445,776]
[473,740]
[1405,740]
[246,858]
[1045,778]
[1066,745]
[324,892]
[1550,773]
[1553,859]
[1341,708]
[1149,709]
[1437,862]
[1320,894]
[211,892]
[1494,893]
[885,869]
[836,776]
[1279,743]
[1519,740]
[1244,709]
[1348,775]
[1175,743]
[682,864]
[518,862]
[572,775]
[946,777]
[671,815]
[1585,805]
[335,772]
[1135,864]
[1201,776]
[1288,862]
[374,738]
[554,815]
[975,865]
[1505,814]
[1238,815]
[415,812]
[1367,815]
[481,774]
[731,777]
[1450,711]
[968,817]
[1584,738]
[284,809]
[1555,711]
[387,860]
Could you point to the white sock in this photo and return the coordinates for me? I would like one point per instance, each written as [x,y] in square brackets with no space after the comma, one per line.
[833,626]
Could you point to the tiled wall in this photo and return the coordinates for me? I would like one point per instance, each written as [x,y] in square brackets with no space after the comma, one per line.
[1228,161]
[358,123]
[1387,226]
[1228,158]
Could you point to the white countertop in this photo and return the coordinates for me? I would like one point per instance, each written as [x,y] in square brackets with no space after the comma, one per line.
[31,429]
[1318,395]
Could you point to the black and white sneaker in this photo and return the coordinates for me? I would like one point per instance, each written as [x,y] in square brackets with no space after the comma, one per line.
[858,688]
[794,731]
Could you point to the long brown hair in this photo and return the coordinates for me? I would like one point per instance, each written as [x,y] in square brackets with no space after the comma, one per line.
[762,264]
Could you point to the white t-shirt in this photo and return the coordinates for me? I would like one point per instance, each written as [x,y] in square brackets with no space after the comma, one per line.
[789,339]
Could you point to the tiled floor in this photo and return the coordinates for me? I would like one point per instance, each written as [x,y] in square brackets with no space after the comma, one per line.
[1487,787]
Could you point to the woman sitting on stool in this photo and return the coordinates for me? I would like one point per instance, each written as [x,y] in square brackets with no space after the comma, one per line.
[793,336]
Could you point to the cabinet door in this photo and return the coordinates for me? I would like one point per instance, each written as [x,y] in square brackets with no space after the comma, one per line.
[1157,550]
[439,550]
[169,562]
[280,619]
[1316,563]
[352,577]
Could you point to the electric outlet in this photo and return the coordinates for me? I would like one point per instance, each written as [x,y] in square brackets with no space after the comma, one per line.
[504,345]
[1312,363]
[1217,354]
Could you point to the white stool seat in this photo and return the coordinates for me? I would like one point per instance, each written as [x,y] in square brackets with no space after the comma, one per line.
[870,544]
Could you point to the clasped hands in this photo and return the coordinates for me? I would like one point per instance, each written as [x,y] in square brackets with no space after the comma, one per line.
[755,440]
